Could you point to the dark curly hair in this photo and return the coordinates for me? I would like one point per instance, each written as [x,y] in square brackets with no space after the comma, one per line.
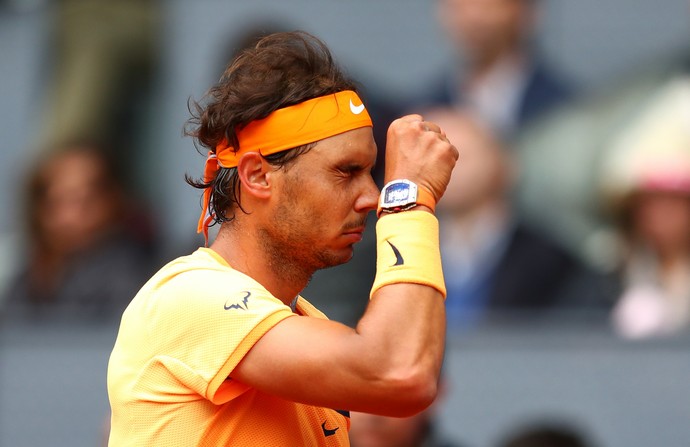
[281,70]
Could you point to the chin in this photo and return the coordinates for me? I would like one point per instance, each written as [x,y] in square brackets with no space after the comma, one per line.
[335,258]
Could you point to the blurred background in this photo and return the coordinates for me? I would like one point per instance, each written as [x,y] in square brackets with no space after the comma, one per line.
[565,230]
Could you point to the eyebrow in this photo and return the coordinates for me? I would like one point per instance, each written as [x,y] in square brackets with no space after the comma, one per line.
[350,167]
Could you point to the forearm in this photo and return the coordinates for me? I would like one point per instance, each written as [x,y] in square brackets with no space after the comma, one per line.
[404,324]
[405,331]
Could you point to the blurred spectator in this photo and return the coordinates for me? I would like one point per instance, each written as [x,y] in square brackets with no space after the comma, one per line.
[545,435]
[88,252]
[494,264]
[498,75]
[102,57]
[561,155]
[646,181]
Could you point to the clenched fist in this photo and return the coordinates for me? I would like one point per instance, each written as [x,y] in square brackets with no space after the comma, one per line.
[418,150]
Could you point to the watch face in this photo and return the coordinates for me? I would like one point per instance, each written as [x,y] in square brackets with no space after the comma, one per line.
[397,192]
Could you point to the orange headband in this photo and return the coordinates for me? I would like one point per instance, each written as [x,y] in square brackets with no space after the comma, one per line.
[286,128]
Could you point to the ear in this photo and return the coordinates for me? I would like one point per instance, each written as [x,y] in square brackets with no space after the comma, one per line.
[255,175]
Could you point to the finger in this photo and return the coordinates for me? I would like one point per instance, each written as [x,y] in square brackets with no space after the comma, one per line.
[455,151]
[431,127]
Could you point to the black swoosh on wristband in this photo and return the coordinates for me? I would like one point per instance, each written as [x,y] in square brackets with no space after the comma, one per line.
[398,257]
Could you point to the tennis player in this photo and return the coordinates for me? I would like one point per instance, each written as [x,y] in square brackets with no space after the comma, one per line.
[219,348]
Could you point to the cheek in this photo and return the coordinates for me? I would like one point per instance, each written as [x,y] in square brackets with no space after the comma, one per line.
[318,205]
[302,219]
[334,199]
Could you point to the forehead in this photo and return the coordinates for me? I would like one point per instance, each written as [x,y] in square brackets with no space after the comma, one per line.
[356,146]
[73,168]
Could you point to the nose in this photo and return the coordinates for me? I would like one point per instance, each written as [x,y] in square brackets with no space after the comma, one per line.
[368,199]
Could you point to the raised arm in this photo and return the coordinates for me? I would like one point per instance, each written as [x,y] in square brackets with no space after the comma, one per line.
[389,364]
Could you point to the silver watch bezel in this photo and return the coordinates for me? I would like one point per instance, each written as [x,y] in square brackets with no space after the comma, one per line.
[388,202]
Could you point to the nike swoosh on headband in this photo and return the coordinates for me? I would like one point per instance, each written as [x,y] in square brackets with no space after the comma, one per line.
[356,109]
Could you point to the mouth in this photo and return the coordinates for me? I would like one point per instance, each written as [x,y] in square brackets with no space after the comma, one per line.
[354,230]
[358,230]
[353,234]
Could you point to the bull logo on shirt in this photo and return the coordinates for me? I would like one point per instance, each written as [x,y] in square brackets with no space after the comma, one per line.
[239,302]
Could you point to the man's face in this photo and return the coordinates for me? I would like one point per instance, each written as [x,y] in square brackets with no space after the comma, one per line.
[662,219]
[485,28]
[320,202]
[79,204]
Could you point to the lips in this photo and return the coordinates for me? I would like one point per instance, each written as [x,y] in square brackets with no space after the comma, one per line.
[358,230]
[355,234]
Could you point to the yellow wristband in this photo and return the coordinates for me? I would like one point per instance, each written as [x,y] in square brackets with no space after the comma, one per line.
[408,251]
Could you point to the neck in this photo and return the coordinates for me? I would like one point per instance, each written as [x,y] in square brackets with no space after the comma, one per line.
[481,67]
[243,250]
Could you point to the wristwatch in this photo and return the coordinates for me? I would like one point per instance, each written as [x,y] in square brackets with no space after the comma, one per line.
[402,194]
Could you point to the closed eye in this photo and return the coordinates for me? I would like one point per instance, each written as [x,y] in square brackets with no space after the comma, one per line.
[350,169]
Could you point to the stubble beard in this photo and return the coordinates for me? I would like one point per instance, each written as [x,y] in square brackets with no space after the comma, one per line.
[291,254]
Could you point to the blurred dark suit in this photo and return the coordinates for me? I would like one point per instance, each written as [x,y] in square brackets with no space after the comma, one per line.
[543,90]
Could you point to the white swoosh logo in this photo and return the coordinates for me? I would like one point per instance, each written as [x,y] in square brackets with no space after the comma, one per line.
[356,109]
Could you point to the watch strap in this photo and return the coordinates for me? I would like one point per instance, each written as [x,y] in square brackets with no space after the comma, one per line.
[424,197]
